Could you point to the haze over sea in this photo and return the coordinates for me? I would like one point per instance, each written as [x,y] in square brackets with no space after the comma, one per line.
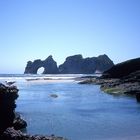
[79,112]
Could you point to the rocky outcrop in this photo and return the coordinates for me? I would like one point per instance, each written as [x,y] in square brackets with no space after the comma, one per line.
[123,69]
[73,65]
[18,122]
[78,65]
[12,134]
[8,95]
[8,117]
[11,122]
[49,65]
[121,79]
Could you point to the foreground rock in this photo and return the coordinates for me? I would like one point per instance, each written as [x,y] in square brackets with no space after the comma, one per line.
[73,65]
[18,122]
[118,82]
[8,95]
[11,122]
[12,134]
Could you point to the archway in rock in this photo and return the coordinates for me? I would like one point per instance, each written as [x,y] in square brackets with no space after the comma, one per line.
[40,70]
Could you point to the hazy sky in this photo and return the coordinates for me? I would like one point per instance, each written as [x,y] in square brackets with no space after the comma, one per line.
[32,29]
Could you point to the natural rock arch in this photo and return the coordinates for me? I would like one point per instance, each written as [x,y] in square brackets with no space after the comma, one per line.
[75,64]
[49,65]
[40,70]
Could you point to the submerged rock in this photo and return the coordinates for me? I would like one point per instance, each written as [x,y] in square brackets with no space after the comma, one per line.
[53,95]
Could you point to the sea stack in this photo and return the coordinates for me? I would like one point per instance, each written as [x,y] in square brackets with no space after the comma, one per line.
[49,65]
[75,64]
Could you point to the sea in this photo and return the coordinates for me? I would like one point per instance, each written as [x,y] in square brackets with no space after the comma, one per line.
[58,105]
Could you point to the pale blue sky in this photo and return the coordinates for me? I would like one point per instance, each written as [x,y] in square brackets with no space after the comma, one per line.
[32,29]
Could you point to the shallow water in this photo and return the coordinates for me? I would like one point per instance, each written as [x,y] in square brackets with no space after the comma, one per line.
[80,112]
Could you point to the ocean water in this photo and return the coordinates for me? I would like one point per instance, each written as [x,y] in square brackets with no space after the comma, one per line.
[80,112]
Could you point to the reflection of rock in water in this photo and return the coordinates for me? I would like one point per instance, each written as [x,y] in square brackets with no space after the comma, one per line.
[53,95]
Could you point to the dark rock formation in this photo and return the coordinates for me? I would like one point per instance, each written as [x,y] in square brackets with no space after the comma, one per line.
[121,79]
[123,69]
[8,95]
[138,97]
[73,65]
[78,65]
[9,121]
[18,122]
[12,134]
[49,65]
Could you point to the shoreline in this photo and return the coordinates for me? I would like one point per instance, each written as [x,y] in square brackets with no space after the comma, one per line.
[49,80]
[11,122]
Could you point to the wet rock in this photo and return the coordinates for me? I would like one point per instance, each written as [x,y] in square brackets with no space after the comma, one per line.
[53,95]
[8,95]
[12,134]
[10,121]
[121,79]
[138,97]
[19,123]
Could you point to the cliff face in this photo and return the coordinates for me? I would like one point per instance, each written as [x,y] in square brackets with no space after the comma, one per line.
[73,65]
[123,69]
[8,95]
[78,65]
[49,65]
